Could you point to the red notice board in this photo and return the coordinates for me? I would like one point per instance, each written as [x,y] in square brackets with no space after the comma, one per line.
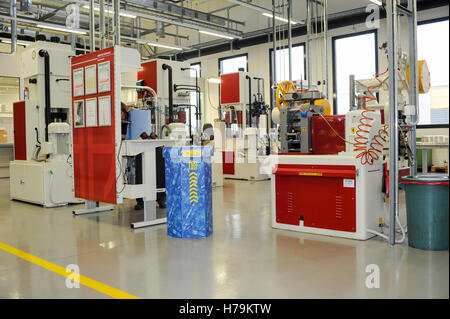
[94,150]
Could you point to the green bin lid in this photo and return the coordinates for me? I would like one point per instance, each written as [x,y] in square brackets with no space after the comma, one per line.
[437,179]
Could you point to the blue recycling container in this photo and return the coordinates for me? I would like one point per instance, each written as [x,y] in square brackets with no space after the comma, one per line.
[188,191]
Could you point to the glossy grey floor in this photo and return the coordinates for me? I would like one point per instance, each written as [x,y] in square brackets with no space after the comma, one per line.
[243,258]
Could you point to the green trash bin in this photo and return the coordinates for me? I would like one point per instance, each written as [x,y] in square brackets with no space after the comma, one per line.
[427,211]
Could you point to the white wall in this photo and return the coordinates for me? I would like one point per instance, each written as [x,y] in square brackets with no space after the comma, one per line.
[9,63]
[9,66]
[258,60]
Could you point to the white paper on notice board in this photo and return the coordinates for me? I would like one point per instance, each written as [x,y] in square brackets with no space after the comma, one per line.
[90,75]
[104,111]
[91,112]
[104,77]
[78,82]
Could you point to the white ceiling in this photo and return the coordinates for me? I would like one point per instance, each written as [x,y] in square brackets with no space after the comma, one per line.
[254,20]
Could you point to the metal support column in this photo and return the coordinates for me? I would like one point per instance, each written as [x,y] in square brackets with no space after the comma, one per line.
[138,34]
[325,35]
[116,22]
[413,80]
[308,42]
[149,216]
[274,25]
[91,26]
[290,38]
[274,64]
[393,117]
[102,24]
[73,41]
[352,96]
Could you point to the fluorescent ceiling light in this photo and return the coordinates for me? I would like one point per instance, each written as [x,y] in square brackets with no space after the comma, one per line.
[216,34]
[278,18]
[215,80]
[50,27]
[377,2]
[162,45]
[19,42]
[123,14]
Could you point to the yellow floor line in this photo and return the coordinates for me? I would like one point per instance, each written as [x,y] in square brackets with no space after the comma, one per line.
[96,285]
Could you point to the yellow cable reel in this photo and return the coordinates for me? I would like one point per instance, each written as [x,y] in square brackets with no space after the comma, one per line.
[283,88]
[325,104]
[423,76]
[287,87]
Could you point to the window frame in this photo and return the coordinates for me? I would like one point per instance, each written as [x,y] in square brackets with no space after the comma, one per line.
[271,73]
[232,57]
[199,67]
[220,72]
[333,44]
[199,102]
[434,20]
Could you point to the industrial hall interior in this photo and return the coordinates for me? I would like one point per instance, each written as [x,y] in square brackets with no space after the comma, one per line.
[224,149]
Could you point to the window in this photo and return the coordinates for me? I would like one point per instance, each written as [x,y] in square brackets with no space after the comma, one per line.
[282,63]
[432,46]
[9,93]
[352,54]
[298,65]
[233,64]
[194,96]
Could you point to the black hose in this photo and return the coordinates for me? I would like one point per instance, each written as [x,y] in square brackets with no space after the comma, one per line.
[37,136]
[190,126]
[198,113]
[162,128]
[185,88]
[249,121]
[46,56]
[169,68]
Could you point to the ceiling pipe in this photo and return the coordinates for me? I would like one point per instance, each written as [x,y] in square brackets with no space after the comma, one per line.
[13,14]
[102,26]
[91,26]
[116,8]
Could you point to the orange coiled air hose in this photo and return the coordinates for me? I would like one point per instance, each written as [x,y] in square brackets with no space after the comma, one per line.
[368,155]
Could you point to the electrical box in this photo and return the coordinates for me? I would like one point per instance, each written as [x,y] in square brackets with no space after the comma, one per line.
[157,78]
[235,88]
[33,73]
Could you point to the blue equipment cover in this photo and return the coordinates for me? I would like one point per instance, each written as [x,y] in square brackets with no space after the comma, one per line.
[188,191]
[141,123]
